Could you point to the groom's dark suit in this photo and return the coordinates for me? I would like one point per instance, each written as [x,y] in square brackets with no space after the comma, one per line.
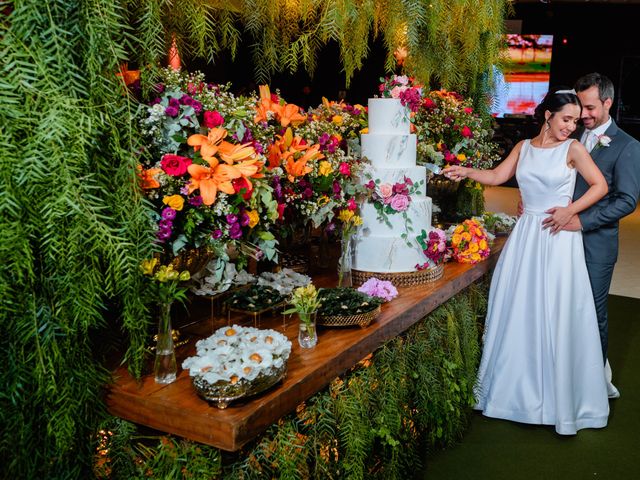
[620,164]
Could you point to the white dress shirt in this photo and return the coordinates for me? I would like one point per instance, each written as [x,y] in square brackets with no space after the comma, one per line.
[590,137]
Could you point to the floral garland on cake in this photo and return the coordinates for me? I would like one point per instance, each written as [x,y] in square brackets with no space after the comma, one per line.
[434,246]
[392,199]
[403,88]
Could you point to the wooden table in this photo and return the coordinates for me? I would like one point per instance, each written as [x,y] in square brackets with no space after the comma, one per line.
[176,408]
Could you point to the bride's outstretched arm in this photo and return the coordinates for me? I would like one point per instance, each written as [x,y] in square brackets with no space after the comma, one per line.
[496,176]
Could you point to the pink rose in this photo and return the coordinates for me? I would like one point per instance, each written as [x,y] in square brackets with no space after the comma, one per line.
[400,203]
[386,190]
[175,165]
[466,132]
[396,91]
[213,119]
[345,169]
[352,205]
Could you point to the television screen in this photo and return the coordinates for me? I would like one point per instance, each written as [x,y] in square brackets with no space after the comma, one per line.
[525,79]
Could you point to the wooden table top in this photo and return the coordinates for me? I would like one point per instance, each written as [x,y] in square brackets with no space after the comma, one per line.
[177,409]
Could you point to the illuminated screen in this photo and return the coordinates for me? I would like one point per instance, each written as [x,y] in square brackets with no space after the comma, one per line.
[525,80]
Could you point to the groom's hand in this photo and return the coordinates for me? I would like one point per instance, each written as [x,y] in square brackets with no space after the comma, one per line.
[573,225]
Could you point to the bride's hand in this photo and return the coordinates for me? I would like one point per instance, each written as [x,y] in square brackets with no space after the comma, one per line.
[560,216]
[455,172]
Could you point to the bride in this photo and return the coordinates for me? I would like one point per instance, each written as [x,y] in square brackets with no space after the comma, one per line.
[542,360]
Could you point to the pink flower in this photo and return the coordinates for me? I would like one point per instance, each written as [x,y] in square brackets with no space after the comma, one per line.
[396,91]
[466,132]
[468,110]
[386,190]
[400,203]
[175,165]
[213,119]
[352,205]
[345,169]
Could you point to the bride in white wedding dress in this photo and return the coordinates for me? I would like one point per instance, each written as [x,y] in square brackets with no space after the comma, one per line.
[542,360]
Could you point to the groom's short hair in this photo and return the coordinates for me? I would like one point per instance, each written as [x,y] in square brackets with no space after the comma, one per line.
[605,86]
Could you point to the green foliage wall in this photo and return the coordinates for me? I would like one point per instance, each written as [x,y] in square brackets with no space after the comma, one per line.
[377,421]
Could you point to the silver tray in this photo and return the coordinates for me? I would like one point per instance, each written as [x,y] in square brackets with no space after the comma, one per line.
[221,394]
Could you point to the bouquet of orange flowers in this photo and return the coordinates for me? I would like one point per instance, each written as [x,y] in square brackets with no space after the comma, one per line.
[469,242]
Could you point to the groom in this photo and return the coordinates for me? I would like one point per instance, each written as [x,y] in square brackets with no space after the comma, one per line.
[618,156]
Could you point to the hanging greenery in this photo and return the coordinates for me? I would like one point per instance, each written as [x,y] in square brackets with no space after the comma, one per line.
[377,421]
[73,228]
[451,44]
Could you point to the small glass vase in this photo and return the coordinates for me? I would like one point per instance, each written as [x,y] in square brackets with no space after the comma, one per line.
[164,367]
[345,263]
[307,332]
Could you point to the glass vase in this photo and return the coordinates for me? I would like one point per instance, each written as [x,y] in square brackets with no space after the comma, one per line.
[164,367]
[307,333]
[345,263]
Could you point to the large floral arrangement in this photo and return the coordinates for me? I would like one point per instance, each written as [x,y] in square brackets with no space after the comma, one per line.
[404,88]
[450,132]
[469,242]
[203,171]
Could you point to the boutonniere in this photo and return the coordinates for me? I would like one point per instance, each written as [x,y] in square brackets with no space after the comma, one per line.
[603,140]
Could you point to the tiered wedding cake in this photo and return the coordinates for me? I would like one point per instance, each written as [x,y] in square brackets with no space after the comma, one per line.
[391,149]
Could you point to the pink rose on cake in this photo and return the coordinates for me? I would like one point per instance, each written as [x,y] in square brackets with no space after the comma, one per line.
[386,190]
[400,202]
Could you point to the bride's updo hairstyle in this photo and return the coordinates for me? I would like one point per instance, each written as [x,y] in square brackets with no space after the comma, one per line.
[554,100]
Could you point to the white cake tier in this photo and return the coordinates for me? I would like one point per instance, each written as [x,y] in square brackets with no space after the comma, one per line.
[388,115]
[379,248]
[419,212]
[389,151]
[396,175]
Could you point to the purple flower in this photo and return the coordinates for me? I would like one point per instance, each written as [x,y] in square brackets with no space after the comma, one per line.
[186,100]
[216,234]
[258,254]
[308,193]
[331,227]
[232,218]
[168,213]
[336,187]
[159,87]
[197,106]
[235,231]
[244,219]
[195,201]
[171,111]
[163,235]
[155,101]
[165,224]
[174,102]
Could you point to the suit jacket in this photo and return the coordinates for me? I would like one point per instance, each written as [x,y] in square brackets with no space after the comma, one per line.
[620,165]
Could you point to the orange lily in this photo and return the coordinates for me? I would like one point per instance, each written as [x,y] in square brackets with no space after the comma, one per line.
[210,180]
[284,147]
[234,153]
[266,105]
[290,114]
[298,168]
[208,145]
[147,180]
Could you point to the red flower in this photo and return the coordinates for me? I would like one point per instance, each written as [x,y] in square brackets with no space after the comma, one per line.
[428,103]
[213,119]
[345,169]
[281,207]
[468,110]
[466,132]
[175,165]
[352,205]
[242,183]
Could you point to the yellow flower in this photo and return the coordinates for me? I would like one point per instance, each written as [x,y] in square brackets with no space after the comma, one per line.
[337,119]
[325,168]
[254,218]
[148,266]
[345,215]
[455,239]
[466,236]
[462,157]
[476,257]
[473,247]
[356,220]
[174,201]
[364,130]
[323,200]
[439,145]
[483,244]
[458,229]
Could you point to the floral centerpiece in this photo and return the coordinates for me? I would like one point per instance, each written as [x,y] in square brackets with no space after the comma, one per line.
[404,88]
[237,361]
[450,132]
[469,242]
[203,171]
[393,199]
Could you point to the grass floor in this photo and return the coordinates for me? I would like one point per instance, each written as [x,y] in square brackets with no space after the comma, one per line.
[498,449]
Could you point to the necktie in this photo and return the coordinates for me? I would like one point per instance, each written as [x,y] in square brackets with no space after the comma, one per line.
[590,141]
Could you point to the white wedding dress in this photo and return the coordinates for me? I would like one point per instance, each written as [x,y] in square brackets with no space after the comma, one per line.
[542,360]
